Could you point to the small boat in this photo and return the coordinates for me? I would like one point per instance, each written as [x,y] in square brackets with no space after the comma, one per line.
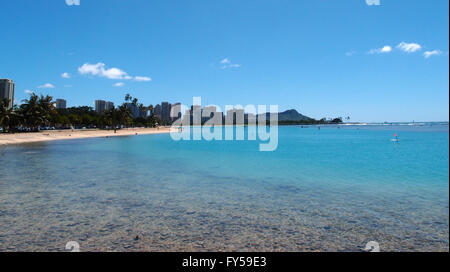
[395,138]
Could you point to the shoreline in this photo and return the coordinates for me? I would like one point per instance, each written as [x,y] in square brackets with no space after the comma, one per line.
[55,135]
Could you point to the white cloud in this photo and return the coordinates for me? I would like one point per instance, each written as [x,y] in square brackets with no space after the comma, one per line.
[115,73]
[119,84]
[373,2]
[226,63]
[28,92]
[409,47]
[73,2]
[384,49]
[101,70]
[350,53]
[93,69]
[428,54]
[142,78]
[46,86]
[65,75]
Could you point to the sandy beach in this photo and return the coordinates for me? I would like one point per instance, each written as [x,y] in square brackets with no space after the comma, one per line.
[53,135]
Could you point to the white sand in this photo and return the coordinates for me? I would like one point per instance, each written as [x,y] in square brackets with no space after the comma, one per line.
[43,136]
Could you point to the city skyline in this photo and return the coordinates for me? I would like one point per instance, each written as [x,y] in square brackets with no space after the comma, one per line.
[363,62]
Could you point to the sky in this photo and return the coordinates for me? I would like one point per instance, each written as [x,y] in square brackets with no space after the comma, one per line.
[324,58]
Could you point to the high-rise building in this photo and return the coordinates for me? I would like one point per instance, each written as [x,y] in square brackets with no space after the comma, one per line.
[109,105]
[157,111]
[136,111]
[187,118]
[250,119]
[143,113]
[7,90]
[165,112]
[173,112]
[211,113]
[196,115]
[133,109]
[61,103]
[100,106]
[235,116]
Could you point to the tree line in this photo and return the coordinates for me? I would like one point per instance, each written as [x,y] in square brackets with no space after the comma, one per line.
[38,112]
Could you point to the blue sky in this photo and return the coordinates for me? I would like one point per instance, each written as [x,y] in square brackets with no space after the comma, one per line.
[324,58]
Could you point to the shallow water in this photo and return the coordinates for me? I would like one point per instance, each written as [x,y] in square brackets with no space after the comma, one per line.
[333,189]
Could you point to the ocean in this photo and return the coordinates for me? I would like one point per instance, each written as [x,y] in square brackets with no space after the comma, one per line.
[330,189]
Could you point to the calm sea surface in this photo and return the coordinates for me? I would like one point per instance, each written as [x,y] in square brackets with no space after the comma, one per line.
[333,189]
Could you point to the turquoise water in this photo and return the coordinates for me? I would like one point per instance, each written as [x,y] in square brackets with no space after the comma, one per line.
[333,189]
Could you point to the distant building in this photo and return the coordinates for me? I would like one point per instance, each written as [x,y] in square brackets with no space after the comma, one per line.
[143,113]
[136,112]
[157,111]
[173,112]
[165,112]
[7,90]
[211,112]
[100,106]
[133,109]
[235,116]
[196,115]
[61,104]
[250,119]
[211,109]
[187,118]
[109,105]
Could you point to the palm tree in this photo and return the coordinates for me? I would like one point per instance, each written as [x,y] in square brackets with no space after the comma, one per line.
[142,109]
[16,118]
[37,111]
[6,113]
[124,115]
[48,107]
[128,97]
[151,119]
[110,118]
[31,111]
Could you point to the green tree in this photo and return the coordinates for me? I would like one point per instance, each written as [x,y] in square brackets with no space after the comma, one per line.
[74,119]
[6,114]
[336,120]
[87,120]
[110,118]
[124,115]
[128,98]
[47,108]
[151,120]
[32,112]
